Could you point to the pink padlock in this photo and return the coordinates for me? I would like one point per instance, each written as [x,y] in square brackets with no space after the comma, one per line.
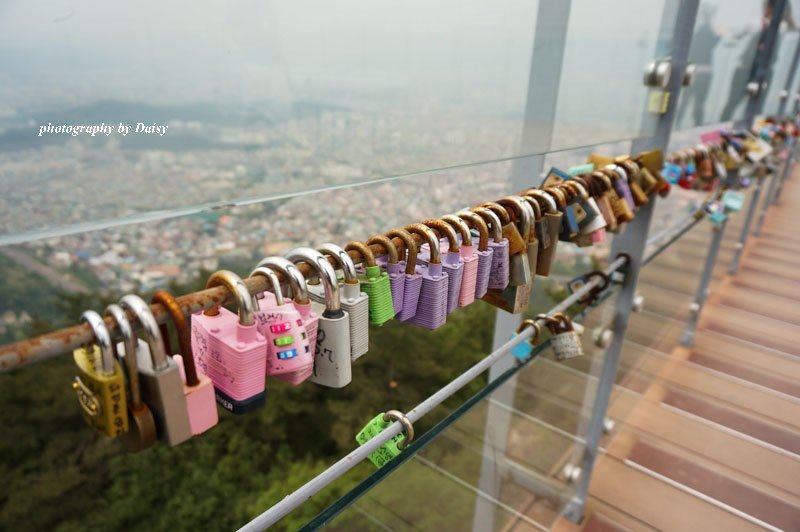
[229,348]
[469,259]
[290,357]
[299,288]
[197,387]
[484,252]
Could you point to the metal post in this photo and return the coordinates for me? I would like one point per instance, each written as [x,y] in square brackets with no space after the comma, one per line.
[550,37]
[702,291]
[751,210]
[790,81]
[678,28]
[787,172]
[777,178]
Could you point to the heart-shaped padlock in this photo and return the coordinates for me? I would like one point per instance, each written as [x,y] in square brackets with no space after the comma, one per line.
[290,356]
[432,308]
[412,278]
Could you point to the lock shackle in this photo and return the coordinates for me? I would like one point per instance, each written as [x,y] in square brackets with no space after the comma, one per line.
[408,427]
[477,222]
[152,333]
[410,244]
[326,274]
[493,219]
[564,320]
[618,170]
[367,256]
[182,330]
[236,286]
[536,327]
[461,226]
[633,169]
[342,259]
[534,205]
[558,196]
[578,188]
[499,210]
[388,247]
[551,322]
[129,345]
[522,213]
[274,281]
[443,229]
[604,179]
[430,237]
[551,206]
[102,337]
[297,282]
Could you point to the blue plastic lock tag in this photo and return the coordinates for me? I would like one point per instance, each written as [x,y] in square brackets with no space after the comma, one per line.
[733,201]
[717,217]
[522,352]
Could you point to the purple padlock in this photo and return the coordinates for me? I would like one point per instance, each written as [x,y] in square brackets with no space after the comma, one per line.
[468,257]
[621,184]
[452,263]
[393,267]
[484,252]
[432,307]
[499,272]
[412,278]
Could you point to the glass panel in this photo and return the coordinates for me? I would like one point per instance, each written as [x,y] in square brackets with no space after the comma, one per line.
[601,95]
[274,99]
[784,55]
[723,47]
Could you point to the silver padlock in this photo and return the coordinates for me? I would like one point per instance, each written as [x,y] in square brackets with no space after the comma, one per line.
[332,356]
[160,378]
[354,301]
[565,340]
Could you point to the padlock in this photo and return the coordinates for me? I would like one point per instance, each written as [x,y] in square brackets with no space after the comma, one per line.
[523,211]
[354,301]
[469,259]
[596,228]
[498,272]
[484,252]
[619,203]
[432,308]
[733,201]
[515,297]
[159,376]
[393,447]
[552,226]
[300,299]
[390,263]
[375,283]
[290,355]
[100,382]
[452,263]
[591,222]
[621,185]
[522,351]
[564,339]
[604,190]
[141,424]
[332,364]
[634,174]
[516,244]
[653,161]
[198,390]
[229,349]
[411,275]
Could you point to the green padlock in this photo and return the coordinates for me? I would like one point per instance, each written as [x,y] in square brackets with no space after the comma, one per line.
[375,284]
[394,446]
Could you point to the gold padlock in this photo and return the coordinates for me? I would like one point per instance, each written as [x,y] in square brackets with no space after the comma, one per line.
[516,244]
[552,227]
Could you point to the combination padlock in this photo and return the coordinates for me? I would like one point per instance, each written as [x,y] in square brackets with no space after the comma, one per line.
[432,308]
[375,283]
[516,243]
[498,272]
[483,253]
[290,356]
[353,300]
[198,390]
[412,277]
[522,212]
[514,298]
[229,349]
[159,376]
[469,259]
[551,226]
[141,424]
[100,382]
[390,263]
[332,364]
[564,338]
[299,291]
[452,263]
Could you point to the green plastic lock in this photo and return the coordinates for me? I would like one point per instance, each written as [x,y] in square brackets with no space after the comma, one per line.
[375,284]
[388,450]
